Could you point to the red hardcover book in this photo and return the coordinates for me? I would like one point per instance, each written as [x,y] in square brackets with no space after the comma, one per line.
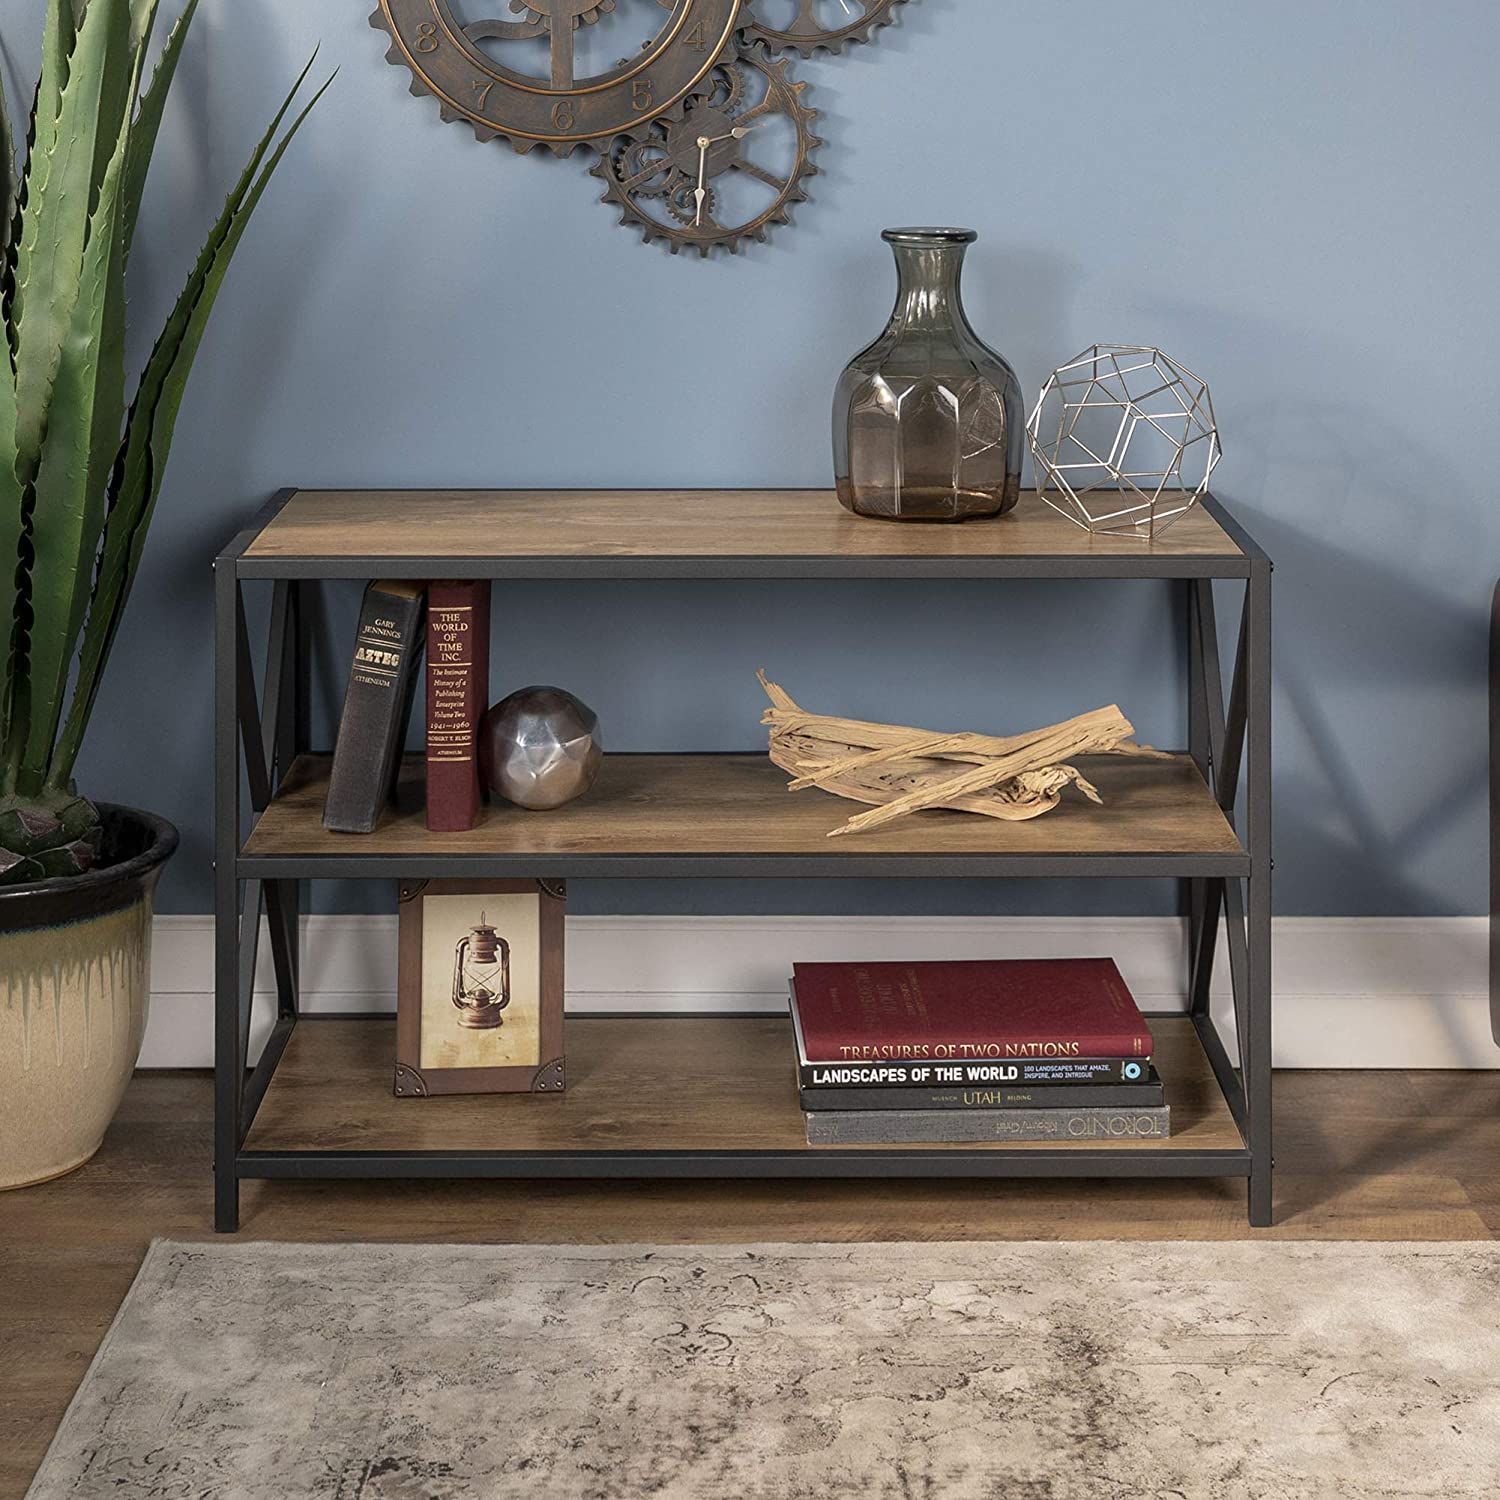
[458,688]
[968,1010]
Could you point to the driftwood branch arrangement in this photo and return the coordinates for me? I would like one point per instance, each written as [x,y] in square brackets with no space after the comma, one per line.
[902,770]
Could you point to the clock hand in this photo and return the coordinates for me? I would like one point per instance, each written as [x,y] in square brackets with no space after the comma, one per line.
[701,191]
[737,134]
[704,142]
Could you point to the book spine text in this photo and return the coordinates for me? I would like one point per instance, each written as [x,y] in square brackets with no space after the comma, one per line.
[1021,1072]
[458,620]
[1134,1044]
[1047,1096]
[377,705]
[947,1126]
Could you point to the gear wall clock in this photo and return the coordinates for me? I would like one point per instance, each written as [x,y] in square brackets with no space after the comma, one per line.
[702,137]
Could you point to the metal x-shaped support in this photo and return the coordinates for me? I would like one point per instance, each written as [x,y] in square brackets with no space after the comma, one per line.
[258,737]
[1232,746]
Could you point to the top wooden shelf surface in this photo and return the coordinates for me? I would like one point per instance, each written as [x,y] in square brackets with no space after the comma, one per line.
[662,533]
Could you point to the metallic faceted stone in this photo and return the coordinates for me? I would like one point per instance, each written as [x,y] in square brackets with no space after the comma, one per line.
[539,748]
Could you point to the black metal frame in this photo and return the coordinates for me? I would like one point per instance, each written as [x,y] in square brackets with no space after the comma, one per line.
[1495,815]
[258,735]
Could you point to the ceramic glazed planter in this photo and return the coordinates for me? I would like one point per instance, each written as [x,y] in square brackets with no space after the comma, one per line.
[74,982]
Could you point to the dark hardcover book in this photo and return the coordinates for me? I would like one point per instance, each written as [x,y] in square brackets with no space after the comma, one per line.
[987,1010]
[377,705]
[458,690]
[1148,1095]
[869,1127]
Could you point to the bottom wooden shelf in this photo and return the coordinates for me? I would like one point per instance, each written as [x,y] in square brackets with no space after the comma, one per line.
[691,1086]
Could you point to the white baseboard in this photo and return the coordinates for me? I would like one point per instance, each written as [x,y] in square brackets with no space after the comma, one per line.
[1349,992]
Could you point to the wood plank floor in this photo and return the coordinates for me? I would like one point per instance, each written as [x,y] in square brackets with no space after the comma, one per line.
[1359,1156]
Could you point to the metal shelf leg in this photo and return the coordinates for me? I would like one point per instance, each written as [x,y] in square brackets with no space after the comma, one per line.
[1256,1044]
[228,1064]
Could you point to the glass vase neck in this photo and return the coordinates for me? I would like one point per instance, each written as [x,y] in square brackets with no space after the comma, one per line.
[929,270]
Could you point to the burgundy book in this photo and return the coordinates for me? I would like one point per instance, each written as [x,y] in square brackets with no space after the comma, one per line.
[968,1010]
[458,690]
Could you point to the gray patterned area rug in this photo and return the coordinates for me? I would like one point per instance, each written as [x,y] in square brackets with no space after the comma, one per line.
[1014,1371]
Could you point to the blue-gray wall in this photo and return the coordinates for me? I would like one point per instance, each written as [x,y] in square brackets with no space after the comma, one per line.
[1297,199]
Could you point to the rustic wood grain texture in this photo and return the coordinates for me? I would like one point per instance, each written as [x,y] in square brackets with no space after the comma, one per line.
[655,1084]
[1424,1149]
[739,804]
[680,523]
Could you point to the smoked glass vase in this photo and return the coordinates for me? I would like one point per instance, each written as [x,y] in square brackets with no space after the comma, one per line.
[927,422]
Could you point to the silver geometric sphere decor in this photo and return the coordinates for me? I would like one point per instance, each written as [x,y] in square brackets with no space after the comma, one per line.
[539,748]
[1124,440]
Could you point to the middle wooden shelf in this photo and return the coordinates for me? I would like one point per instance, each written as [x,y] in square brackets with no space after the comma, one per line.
[732,815]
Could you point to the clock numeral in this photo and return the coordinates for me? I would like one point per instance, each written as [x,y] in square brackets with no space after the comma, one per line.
[697,38]
[482,87]
[562,114]
[642,96]
[427,37]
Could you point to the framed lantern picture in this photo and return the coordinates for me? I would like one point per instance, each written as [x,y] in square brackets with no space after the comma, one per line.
[479,995]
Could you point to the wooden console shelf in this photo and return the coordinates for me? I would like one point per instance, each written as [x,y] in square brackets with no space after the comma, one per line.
[657,533]
[736,809]
[637,1087]
[711,1096]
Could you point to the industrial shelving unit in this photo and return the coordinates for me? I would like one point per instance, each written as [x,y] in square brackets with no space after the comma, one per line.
[711,1096]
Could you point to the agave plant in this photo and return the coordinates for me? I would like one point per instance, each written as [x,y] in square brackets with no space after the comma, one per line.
[80,471]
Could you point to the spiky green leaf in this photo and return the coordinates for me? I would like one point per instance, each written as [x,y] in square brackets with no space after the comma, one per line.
[142,22]
[60,187]
[13,241]
[10,183]
[78,452]
[11,519]
[152,422]
[59,190]
[174,386]
[148,122]
[121,82]
[11,527]
[59,34]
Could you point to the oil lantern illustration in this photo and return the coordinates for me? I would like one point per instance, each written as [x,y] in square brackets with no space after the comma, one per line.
[481,977]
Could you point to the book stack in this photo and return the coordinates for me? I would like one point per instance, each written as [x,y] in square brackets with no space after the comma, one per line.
[989,1050]
[451,617]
